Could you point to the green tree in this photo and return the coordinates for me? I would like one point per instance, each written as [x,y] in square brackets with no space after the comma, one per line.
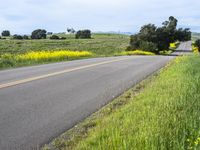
[39,34]
[25,37]
[18,37]
[183,34]
[134,42]
[148,33]
[152,38]
[5,33]
[83,34]
[71,30]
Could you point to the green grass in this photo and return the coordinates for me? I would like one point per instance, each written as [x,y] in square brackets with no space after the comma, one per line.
[100,44]
[164,116]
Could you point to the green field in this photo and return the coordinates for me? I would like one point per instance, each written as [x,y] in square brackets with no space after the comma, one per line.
[100,44]
[160,113]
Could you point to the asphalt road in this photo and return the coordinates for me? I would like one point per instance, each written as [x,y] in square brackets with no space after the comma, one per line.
[41,102]
[184,48]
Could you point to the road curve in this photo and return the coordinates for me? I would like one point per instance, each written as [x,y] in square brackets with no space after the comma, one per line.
[44,101]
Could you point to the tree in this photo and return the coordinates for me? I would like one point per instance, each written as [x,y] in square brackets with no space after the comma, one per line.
[49,33]
[169,27]
[183,34]
[134,42]
[83,34]
[197,44]
[71,30]
[187,34]
[39,34]
[155,39]
[148,33]
[25,37]
[163,39]
[18,37]
[5,33]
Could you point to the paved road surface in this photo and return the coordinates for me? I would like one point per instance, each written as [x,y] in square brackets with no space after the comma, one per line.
[39,103]
[184,48]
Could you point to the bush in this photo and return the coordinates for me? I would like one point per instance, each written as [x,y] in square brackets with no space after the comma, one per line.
[5,33]
[18,37]
[39,34]
[54,37]
[63,38]
[83,34]
[197,44]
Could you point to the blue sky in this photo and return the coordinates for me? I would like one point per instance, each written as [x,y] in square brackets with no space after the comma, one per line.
[23,16]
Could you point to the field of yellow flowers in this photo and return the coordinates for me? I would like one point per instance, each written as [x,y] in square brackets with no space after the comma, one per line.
[137,52]
[34,57]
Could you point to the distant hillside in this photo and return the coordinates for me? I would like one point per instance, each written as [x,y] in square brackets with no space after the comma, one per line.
[195,36]
[114,32]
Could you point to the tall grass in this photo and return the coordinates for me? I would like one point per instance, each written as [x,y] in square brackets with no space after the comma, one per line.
[165,116]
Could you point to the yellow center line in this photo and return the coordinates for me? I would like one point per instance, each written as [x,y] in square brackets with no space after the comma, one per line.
[14,83]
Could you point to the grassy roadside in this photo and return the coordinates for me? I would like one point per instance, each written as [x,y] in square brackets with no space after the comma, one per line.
[165,115]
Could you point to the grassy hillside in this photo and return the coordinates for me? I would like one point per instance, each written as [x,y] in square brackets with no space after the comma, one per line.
[100,44]
[164,116]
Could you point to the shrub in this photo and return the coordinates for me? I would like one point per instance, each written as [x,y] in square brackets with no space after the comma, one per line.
[39,34]
[54,37]
[197,44]
[83,34]
[5,33]
[63,38]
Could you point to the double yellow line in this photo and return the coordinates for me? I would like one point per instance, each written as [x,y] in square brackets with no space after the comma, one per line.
[14,83]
